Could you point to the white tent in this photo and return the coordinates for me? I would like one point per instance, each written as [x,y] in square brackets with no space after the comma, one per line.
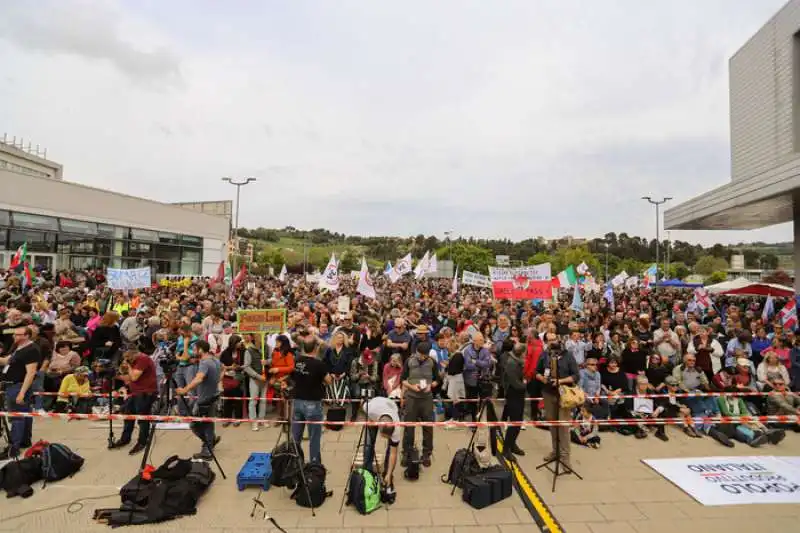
[737,283]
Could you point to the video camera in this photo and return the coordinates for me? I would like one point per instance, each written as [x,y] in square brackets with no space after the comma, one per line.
[167,358]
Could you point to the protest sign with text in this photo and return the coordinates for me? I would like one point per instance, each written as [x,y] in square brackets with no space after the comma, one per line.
[261,320]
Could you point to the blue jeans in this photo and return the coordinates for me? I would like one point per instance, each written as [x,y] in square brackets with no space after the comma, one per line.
[370,436]
[308,411]
[21,427]
[183,376]
[703,407]
[38,386]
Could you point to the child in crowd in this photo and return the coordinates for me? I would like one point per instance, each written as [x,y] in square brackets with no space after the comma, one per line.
[586,433]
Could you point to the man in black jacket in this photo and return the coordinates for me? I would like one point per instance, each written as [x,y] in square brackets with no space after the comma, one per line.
[515,387]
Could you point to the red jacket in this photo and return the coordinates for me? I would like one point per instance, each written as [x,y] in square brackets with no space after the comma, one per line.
[535,349]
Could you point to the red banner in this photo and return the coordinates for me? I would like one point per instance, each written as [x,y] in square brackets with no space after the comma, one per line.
[522,289]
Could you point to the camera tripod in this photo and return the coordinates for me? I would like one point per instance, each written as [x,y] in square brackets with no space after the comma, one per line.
[5,431]
[366,395]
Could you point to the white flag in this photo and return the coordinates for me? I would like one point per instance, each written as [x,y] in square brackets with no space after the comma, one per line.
[402,268]
[282,275]
[619,279]
[454,288]
[330,278]
[582,269]
[365,285]
[433,265]
[422,266]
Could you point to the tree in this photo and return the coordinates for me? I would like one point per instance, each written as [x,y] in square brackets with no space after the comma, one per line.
[751,258]
[678,270]
[273,258]
[769,261]
[349,260]
[780,277]
[468,257]
[717,277]
[575,256]
[708,264]
[540,258]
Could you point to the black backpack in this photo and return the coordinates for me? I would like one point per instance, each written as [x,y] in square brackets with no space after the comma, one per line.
[285,470]
[58,462]
[412,465]
[314,478]
[463,465]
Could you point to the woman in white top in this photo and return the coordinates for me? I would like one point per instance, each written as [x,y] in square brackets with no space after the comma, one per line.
[705,342]
[769,370]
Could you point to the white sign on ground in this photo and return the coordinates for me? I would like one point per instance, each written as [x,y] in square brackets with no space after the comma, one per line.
[732,480]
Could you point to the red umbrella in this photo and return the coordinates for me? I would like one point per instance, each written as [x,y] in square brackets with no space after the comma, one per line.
[762,289]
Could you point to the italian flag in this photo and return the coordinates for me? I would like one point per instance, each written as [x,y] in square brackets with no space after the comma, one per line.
[20,256]
[566,278]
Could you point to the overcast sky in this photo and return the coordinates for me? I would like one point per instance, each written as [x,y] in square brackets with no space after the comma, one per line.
[489,118]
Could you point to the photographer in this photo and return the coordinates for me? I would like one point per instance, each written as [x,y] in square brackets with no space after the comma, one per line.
[384,410]
[19,372]
[206,381]
[567,374]
[139,375]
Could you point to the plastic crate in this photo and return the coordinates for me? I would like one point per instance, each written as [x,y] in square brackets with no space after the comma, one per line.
[255,471]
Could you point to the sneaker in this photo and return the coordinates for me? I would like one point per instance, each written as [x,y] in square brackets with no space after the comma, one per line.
[119,444]
[759,441]
[226,424]
[255,426]
[776,435]
[426,461]
[662,434]
[236,424]
[516,450]
[203,456]
[641,434]
[8,453]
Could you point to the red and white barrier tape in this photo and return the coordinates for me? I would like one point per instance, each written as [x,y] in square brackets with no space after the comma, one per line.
[464,400]
[782,419]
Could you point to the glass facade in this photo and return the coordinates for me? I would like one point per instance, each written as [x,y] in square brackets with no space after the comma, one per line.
[65,243]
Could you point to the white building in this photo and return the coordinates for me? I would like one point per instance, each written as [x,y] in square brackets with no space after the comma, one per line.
[67,225]
[765,138]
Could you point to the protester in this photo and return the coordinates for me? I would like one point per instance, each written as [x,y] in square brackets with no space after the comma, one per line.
[419,380]
[310,375]
[19,373]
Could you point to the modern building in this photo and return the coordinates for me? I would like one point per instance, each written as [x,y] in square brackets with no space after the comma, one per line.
[17,157]
[765,138]
[67,225]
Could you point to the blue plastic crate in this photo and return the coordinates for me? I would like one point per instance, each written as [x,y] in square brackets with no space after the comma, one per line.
[255,471]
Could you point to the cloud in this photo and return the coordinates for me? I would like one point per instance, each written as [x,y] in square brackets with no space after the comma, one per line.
[509,119]
[89,30]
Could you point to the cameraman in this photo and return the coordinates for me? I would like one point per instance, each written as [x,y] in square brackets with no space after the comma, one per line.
[19,372]
[139,375]
[380,409]
[187,367]
[206,381]
[567,374]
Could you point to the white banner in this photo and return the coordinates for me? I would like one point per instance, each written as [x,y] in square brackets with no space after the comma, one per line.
[732,480]
[476,280]
[128,278]
[532,272]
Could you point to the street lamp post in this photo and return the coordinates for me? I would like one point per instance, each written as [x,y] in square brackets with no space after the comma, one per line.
[238,184]
[666,260]
[658,204]
[606,278]
[450,247]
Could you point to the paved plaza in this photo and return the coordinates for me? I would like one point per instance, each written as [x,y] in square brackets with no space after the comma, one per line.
[619,494]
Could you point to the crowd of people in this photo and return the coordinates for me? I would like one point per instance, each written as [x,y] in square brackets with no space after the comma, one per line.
[432,352]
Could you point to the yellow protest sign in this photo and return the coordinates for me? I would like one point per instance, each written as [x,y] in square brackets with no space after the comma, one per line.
[261,320]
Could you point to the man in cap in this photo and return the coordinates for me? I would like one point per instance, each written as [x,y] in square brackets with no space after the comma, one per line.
[419,379]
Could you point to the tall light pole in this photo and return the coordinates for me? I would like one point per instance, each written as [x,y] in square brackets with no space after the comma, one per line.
[238,184]
[658,204]
[606,279]
[450,248]
[666,260]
